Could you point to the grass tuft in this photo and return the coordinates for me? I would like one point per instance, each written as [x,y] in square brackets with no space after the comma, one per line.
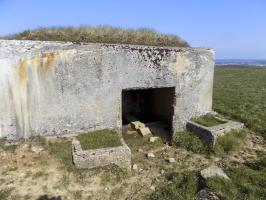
[230,142]
[101,34]
[99,139]
[190,142]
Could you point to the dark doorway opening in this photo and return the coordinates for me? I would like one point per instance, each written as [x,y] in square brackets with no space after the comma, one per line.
[154,107]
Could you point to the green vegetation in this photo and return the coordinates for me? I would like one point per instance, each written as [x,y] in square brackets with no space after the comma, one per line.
[228,143]
[190,142]
[99,139]
[5,193]
[101,34]
[240,93]
[114,174]
[247,182]
[12,148]
[184,186]
[77,195]
[39,174]
[208,120]
[62,151]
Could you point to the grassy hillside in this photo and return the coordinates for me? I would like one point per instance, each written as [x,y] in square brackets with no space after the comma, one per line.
[241,94]
[101,34]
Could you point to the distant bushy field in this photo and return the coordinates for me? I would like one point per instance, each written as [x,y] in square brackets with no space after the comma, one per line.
[241,94]
[101,34]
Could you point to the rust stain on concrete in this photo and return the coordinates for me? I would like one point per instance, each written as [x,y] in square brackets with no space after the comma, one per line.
[46,62]
[22,69]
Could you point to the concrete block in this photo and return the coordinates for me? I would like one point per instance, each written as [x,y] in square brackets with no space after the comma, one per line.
[89,159]
[144,131]
[137,125]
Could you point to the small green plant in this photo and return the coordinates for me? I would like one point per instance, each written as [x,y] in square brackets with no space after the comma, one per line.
[99,139]
[105,178]
[77,195]
[65,180]
[39,174]
[208,120]
[191,142]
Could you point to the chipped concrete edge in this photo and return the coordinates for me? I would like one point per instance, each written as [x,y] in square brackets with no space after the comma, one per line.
[93,158]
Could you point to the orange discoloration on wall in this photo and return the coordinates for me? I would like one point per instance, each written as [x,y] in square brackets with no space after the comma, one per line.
[22,69]
[46,62]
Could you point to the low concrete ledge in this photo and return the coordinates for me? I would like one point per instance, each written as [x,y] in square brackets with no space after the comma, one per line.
[89,159]
[210,134]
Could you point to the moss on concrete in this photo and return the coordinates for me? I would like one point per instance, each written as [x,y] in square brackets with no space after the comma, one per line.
[208,120]
[99,139]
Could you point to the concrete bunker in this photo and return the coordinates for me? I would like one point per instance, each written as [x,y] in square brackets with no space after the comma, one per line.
[55,88]
[152,106]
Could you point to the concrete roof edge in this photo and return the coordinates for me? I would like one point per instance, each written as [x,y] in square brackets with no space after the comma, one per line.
[107,44]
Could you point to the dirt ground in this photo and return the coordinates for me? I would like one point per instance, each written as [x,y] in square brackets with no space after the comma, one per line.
[30,172]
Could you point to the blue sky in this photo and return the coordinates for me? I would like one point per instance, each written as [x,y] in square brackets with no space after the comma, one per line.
[234,28]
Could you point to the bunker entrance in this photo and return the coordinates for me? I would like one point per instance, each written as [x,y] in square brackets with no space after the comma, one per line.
[154,107]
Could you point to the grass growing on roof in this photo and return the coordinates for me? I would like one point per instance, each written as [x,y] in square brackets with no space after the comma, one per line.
[99,139]
[208,120]
[101,34]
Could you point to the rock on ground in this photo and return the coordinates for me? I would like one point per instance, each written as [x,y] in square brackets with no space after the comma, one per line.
[206,194]
[213,171]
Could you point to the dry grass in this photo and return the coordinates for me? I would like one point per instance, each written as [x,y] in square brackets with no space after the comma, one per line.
[101,34]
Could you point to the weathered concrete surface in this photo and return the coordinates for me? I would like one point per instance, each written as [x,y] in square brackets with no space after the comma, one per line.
[49,88]
[211,134]
[89,159]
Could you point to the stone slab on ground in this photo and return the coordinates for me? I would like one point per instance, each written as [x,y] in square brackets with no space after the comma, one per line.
[213,171]
[207,194]
[93,158]
[137,125]
[144,131]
